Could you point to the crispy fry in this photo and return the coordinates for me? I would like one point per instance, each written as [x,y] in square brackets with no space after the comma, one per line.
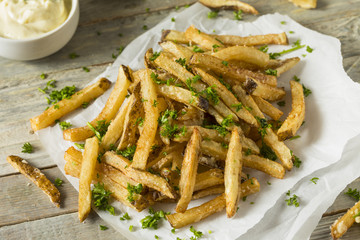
[265,165]
[304,3]
[109,111]
[147,136]
[243,53]
[37,177]
[208,179]
[88,166]
[144,177]
[204,40]
[268,108]
[282,66]
[265,91]
[231,40]
[65,106]
[189,171]
[229,70]
[204,132]
[233,166]
[230,4]
[247,100]
[341,225]
[177,50]
[175,36]
[297,115]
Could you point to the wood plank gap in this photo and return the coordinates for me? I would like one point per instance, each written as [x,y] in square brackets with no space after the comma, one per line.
[334,212]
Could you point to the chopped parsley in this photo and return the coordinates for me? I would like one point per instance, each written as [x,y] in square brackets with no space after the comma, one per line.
[65,93]
[197,234]
[215,46]
[120,50]
[101,198]
[156,237]
[238,15]
[264,48]
[145,27]
[131,228]
[283,22]
[263,126]
[272,72]
[296,46]
[182,62]
[103,228]
[211,94]
[73,55]
[127,152]
[64,125]
[125,217]
[100,129]
[133,189]
[225,63]
[173,230]
[309,49]
[291,32]
[307,91]
[147,10]
[224,145]
[267,152]
[80,145]
[222,127]
[58,182]
[155,103]
[314,180]
[248,152]
[296,78]
[43,76]
[281,103]
[228,86]
[268,183]
[155,78]
[152,220]
[295,137]
[140,121]
[85,105]
[238,106]
[164,117]
[197,49]
[212,14]
[297,162]
[86,69]
[172,131]
[292,200]
[27,148]
[154,56]
[354,193]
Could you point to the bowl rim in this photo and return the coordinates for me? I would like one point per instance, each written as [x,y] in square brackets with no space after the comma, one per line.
[74,7]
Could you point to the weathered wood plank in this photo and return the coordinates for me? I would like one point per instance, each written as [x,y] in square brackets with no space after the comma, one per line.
[61,227]
[22,201]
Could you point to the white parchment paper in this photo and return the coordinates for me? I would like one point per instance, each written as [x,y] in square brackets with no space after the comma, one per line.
[332,118]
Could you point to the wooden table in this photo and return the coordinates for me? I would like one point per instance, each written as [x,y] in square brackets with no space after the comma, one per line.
[104,26]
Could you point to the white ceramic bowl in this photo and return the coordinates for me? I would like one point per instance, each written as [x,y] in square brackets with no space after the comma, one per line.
[44,45]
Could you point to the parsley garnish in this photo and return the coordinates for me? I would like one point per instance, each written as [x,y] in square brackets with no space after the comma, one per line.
[314,180]
[267,152]
[270,71]
[27,148]
[125,217]
[212,14]
[155,103]
[281,103]
[263,125]
[173,19]
[120,50]
[65,93]
[296,160]
[307,91]
[197,234]
[295,137]
[309,49]
[197,49]
[173,230]
[296,78]
[283,22]
[291,32]
[354,193]
[268,183]
[238,106]
[73,55]
[103,228]
[154,56]
[43,76]
[58,182]
[101,198]
[133,189]
[182,62]
[292,200]
[145,27]
[225,63]
[224,145]
[80,145]
[152,220]
[264,48]
[228,86]
[64,125]
[127,152]
[100,129]
[211,94]
[238,15]
[295,47]
[86,69]
[140,121]
[85,105]
[131,227]
[222,127]
[156,237]
[248,152]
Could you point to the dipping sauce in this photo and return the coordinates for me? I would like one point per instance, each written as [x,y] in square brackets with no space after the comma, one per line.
[21,19]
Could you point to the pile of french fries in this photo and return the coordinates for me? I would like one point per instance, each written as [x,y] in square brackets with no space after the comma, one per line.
[195,119]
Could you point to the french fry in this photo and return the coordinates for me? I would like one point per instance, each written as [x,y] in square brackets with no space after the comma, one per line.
[37,177]
[66,105]
[282,66]
[268,108]
[175,36]
[233,166]
[247,100]
[204,40]
[243,53]
[226,69]
[265,91]
[231,40]
[230,4]
[109,111]
[228,98]
[304,3]
[184,96]
[178,50]
[144,177]
[189,171]
[265,165]
[147,59]
[147,136]
[341,225]
[208,179]
[297,115]
[116,126]
[204,132]
[88,166]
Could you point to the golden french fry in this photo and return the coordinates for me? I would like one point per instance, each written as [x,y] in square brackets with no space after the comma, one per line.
[147,136]
[109,111]
[282,66]
[268,108]
[208,179]
[37,177]
[204,40]
[189,171]
[231,40]
[175,36]
[68,105]
[177,50]
[88,166]
[233,166]
[265,165]
[226,69]
[304,3]
[341,225]
[211,134]
[265,91]
[297,115]
[144,177]
[230,4]
[247,100]
[243,53]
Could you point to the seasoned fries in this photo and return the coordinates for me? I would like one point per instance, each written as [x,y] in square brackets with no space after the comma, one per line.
[205,41]
[188,171]
[341,225]
[37,177]
[265,91]
[88,166]
[66,105]
[232,4]
[297,115]
[304,3]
